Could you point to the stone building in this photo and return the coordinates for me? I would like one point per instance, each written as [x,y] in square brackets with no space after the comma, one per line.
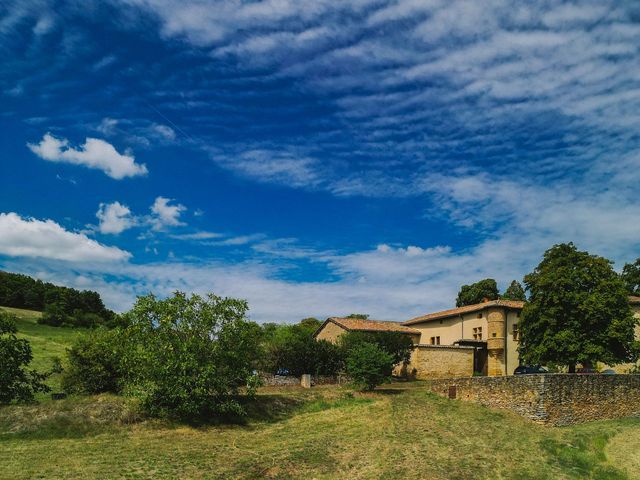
[480,338]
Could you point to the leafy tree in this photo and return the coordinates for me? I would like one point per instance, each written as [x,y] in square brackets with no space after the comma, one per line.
[16,382]
[311,324]
[95,363]
[577,312]
[191,355]
[369,366]
[55,315]
[515,292]
[396,344]
[477,292]
[361,316]
[631,277]
[294,350]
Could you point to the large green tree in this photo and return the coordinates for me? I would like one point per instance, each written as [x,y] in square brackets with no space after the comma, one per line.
[189,355]
[477,292]
[17,383]
[631,277]
[515,292]
[577,312]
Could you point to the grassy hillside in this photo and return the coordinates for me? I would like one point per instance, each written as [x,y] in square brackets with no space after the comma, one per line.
[47,342]
[323,433]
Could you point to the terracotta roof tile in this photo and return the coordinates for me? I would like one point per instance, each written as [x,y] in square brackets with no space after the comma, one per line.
[363,325]
[467,309]
[634,300]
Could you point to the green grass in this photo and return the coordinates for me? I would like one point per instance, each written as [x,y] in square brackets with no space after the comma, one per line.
[47,342]
[399,432]
[324,433]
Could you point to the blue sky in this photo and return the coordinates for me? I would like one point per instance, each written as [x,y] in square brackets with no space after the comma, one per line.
[316,158]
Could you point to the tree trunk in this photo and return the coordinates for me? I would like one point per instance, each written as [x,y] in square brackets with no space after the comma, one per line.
[572,368]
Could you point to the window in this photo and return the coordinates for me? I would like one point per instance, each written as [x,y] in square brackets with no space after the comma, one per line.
[480,315]
[477,333]
[435,340]
[516,334]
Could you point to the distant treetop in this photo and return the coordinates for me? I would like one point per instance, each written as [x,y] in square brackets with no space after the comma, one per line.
[486,289]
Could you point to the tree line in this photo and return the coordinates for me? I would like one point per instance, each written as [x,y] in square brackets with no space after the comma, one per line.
[61,305]
[190,356]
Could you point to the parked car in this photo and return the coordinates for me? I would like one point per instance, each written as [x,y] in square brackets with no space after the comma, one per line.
[608,371]
[529,370]
[587,371]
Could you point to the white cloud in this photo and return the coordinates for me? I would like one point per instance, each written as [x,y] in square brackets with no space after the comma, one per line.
[114,218]
[94,153]
[165,215]
[29,237]
[197,236]
[108,126]
[164,132]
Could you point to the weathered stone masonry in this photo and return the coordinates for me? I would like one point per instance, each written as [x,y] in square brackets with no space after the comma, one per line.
[560,399]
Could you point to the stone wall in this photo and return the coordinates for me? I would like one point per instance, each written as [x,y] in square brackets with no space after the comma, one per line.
[269,380]
[560,399]
[441,361]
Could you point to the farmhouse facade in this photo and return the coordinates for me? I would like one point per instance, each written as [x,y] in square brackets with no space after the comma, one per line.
[481,338]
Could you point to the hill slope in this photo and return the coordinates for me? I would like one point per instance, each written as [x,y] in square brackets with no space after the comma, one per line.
[47,342]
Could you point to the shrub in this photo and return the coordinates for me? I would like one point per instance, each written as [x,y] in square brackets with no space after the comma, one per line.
[16,382]
[369,366]
[189,356]
[95,363]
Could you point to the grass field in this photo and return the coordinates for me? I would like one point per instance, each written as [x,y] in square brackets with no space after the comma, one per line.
[47,342]
[323,433]
[399,432]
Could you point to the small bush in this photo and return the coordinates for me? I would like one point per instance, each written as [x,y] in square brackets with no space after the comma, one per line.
[17,384]
[94,363]
[369,366]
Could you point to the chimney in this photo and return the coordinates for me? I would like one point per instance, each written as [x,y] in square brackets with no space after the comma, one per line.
[485,300]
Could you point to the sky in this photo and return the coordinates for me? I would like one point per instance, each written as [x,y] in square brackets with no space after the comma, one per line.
[316,158]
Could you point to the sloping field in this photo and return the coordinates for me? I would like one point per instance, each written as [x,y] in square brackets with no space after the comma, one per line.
[325,433]
[47,342]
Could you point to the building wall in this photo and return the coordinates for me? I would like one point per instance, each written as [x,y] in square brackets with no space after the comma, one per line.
[559,399]
[429,361]
[452,329]
[330,332]
[512,356]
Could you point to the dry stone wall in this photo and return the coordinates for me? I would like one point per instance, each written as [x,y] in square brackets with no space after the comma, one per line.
[560,399]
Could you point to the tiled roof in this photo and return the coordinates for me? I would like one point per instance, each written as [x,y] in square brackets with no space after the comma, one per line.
[633,300]
[360,324]
[467,309]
